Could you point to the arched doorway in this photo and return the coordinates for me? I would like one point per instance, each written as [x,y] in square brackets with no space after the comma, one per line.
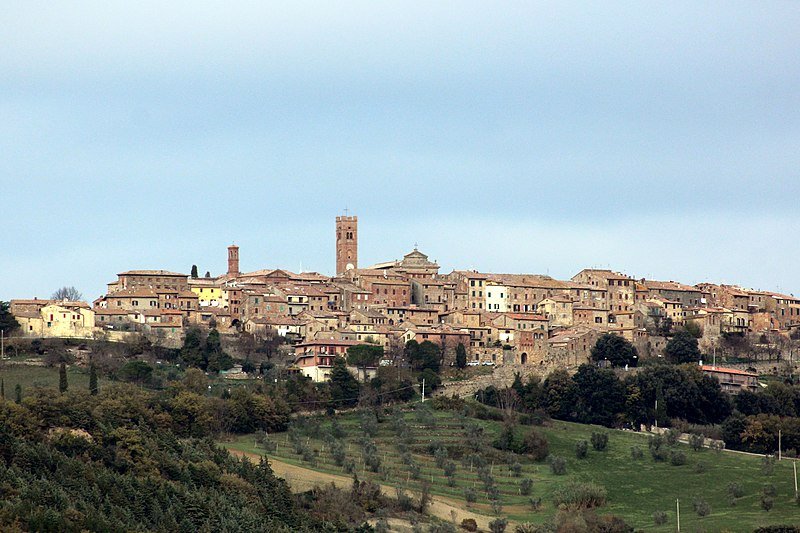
[523,358]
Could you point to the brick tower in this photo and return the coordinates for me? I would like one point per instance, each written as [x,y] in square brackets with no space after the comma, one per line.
[346,244]
[233,260]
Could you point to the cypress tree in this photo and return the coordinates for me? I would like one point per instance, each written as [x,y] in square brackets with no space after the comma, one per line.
[2,389]
[62,378]
[18,393]
[92,379]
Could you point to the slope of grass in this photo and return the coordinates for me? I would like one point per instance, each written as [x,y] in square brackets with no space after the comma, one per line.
[636,488]
[29,376]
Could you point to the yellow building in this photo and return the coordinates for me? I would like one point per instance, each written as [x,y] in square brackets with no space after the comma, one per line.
[208,296]
[54,320]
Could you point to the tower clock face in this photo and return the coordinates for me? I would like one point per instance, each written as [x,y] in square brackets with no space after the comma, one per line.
[350,266]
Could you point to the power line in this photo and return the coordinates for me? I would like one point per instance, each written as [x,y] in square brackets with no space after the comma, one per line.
[351,399]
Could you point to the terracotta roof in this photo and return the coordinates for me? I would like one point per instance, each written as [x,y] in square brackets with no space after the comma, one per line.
[151,273]
[710,368]
[327,342]
[138,292]
[669,286]
[525,316]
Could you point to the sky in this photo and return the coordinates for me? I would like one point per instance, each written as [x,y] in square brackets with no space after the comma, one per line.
[657,139]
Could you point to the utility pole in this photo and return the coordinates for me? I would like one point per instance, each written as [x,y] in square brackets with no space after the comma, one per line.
[678,507]
[794,466]
[423,390]
[2,344]
[779,445]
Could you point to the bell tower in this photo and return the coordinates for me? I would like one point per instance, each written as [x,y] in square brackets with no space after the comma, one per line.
[233,260]
[346,244]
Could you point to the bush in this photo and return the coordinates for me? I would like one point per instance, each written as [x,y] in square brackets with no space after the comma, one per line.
[498,525]
[701,507]
[558,465]
[577,495]
[769,490]
[766,502]
[525,486]
[658,448]
[469,524]
[470,496]
[735,490]
[581,449]
[599,440]
[696,442]
[677,458]
[700,467]
[516,469]
[672,436]
[535,444]
[636,453]
[768,465]
[659,518]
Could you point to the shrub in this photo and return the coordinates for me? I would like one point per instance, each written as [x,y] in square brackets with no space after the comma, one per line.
[658,448]
[578,495]
[677,458]
[599,440]
[558,465]
[449,469]
[440,456]
[369,424]
[701,507]
[535,444]
[525,486]
[769,490]
[469,524]
[735,490]
[659,518]
[581,449]
[516,469]
[526,527]
[536,504]
[414,470]
[470,496]
[696,442]
[671,436]
[636,453]
[498,525]
[766,502]
[768,465]
[700,467]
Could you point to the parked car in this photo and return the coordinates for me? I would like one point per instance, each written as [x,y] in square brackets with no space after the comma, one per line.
[473,363]
[488,363]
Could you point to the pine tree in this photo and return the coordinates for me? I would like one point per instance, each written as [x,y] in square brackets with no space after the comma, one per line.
[92,379]
[62,378]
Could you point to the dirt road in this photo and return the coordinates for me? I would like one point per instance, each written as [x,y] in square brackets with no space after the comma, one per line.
[301,479]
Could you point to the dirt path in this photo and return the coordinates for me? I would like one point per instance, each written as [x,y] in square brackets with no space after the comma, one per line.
[301,479]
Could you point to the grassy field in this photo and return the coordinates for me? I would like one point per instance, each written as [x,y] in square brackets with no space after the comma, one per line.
[636,488]
[30,376]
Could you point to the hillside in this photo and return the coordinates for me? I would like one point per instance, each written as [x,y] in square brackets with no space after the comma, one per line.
[636,487]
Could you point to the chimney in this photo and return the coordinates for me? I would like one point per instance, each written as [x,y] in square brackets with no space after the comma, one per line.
[233,260]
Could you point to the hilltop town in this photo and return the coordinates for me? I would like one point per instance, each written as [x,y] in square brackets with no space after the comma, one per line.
[522,322]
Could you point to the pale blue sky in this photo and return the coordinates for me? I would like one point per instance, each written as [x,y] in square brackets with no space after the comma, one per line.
[662,139]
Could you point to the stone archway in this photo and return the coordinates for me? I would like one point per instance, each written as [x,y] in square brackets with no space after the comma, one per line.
[523,358]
